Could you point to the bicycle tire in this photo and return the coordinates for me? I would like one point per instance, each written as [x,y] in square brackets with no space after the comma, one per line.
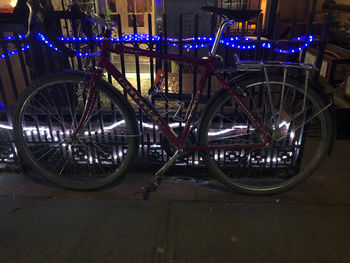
[45,117]
[282,164]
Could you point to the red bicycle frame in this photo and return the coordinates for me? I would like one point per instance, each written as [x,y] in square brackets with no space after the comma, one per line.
[178,141]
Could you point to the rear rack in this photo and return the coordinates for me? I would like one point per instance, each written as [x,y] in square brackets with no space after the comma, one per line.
[258,65]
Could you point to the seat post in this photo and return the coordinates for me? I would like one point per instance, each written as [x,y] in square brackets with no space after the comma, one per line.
[218,36]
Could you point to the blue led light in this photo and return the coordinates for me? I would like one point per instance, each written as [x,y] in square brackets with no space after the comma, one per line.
[199,42]
[13,52]
[47,42]
[13,37]
[86,54]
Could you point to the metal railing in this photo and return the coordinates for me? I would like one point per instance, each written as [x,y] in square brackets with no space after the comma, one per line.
[180,83]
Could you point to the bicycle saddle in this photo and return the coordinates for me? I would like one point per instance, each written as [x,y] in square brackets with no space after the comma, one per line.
[236,15]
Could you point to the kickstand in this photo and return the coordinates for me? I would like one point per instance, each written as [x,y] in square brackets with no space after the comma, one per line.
[152,187]
[159,175]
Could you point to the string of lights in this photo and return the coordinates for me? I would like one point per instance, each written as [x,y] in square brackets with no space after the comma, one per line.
[190,43]
[15,51]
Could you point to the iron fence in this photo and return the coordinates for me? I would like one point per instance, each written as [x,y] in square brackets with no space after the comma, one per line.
[19,68]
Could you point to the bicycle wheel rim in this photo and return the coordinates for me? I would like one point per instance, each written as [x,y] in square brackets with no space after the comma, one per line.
[104,147]
[268,163]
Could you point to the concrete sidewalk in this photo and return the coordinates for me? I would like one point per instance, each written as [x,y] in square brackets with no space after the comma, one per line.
[44,230]
[184,221]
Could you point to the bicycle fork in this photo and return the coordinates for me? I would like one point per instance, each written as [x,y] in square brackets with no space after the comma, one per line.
[90,102]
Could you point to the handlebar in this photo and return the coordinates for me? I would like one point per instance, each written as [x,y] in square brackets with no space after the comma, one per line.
[75,12]
[45,19]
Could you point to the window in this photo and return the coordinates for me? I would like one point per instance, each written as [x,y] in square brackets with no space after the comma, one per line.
[127,8]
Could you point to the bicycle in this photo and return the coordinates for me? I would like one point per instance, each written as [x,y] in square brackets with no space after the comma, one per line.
[261,133]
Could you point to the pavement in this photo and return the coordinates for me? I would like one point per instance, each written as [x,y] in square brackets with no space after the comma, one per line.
[188,219]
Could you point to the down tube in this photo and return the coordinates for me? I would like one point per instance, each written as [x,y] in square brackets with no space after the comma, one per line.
[146,107]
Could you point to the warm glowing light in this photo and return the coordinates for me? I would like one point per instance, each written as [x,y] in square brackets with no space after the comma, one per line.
[263,5]
[13,3]
[7,6]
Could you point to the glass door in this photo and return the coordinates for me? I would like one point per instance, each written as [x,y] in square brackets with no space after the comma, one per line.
[126,9]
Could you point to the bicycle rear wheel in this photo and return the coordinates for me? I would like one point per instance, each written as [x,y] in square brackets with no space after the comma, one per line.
[45,119]
[301,136]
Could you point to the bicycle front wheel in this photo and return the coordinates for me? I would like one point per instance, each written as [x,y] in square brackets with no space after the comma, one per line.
[297,121]
[46,117]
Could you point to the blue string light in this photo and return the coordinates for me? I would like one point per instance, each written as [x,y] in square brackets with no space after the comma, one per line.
[79,39]
[86,54]
[13,37]
[199,42]
[308,42]
[47,42]
[13,52]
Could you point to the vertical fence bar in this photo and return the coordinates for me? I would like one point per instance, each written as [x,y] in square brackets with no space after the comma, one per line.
[67,32]
[47,55]
[242,55]
[165,50]
[3,95]
[226,49]
[271,17]
[150,47]
[21,60]
[257,54]
[292,26]
[9,66]
[275,36]
[120,35]
[151,67]
[180,64]
[138,80]
[291,33]
[38,63]
[195,69]
[309,28]
[109,77]
[76,45]
[322,45]
[213,18]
